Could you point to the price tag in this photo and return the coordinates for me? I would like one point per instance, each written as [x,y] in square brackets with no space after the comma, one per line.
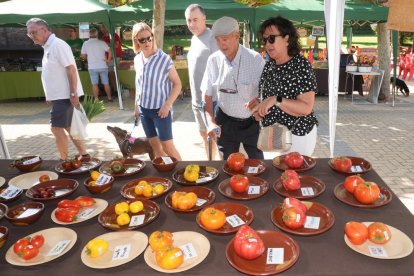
[131,170]
[356,169]
[29,212]
[252,170]
[81,169]
[103,179]
[1,235]
[200,201]
[61,192]
[188,250]
[377,251]
[275,255]
[234,220]
[204,179]
[137,220]
[10,192]
[31,161]
[166,160]
[121,252]
[253,190]
[307,191]
[312,222]
[85,213]
[58,248]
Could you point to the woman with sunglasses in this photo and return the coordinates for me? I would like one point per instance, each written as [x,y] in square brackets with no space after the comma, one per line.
[288,85]
[157,86]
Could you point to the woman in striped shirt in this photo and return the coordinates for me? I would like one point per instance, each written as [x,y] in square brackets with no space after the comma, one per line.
[157,87]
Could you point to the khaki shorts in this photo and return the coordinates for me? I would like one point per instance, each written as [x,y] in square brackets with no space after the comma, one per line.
[200,118]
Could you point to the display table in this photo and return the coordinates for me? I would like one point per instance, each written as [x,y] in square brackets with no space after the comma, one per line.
[343,86]
[377,75]
[324,254]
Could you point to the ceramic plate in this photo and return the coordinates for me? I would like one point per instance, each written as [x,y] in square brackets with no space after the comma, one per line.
[257,188]
[108,217]
[12,195]
[310,187]
[3,210]
[53,238]
[399,246]
[259,266]
[206,175]
[343,195]
[2,181]
[62,187]
[359,165]
[132,166]
[128,190]
[251,167]
[27,180]
[316,210]
[205,196]
[308,163]
[86,167]
[232,210]
[183,239]
[84,213]
[134,240]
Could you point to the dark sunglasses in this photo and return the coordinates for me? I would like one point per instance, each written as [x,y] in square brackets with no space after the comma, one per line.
[145,39]
[270,38]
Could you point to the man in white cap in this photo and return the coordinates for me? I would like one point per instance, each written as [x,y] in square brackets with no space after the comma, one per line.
[232,74]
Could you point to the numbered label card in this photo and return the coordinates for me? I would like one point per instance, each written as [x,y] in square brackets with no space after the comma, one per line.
[200,201]
[121,252]
[103,179]
[58,248]
[234,220]
[312,222]
[10,192]
[131,170]
[31,161]
[252,170]
[307,191]
[253,190]
[166,160]
[189,251]
[137,220]
[85,213]
[29,212]
[377,251]
[356,169]
[275,255]
[204,179]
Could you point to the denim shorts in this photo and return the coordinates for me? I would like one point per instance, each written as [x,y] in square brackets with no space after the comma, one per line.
[154,125]
[95,74]
[61,113]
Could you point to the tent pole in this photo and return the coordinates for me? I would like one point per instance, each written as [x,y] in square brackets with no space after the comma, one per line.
[395,54]
[113,49]
[349,37]
[4,149]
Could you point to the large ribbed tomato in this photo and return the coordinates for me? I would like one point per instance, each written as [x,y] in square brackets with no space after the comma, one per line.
[367,192]
[290,180]
[379,232]
[247,243]
[160,239]
[342,164]
[183,200]
[294,218]
[294,160]
[169,257]
[356,232]
[236,160]
[293,202]
[352,181]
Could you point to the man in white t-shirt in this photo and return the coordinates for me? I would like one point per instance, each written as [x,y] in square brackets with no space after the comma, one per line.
[61,84]
[98,55]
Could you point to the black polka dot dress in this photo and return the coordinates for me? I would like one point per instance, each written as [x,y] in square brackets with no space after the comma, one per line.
[288,80]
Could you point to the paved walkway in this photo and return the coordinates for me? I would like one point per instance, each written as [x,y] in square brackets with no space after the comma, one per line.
[380,133]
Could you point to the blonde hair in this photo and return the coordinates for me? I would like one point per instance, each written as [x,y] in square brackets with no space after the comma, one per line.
[139,27]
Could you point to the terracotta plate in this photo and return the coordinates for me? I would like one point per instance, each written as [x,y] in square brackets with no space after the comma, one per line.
[128,190]
[198,241]
[243,212]
[399,246]
[359,165]
[343,195]
[53,236]
[205,196]
[86,167]
[134,240]
[27,180]
[62,187]
[315,209]
[108,217]
[308,163]
[17,193]
[84,213]
[3,210]
[310,187]
[251,167]
[257,188]
[259,266]
[2,181]
[207,175]
[132,166]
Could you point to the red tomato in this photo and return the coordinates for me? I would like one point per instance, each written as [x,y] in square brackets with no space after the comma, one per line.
[294,160]
[66,214]
[356,232]
[66,203]
[379,232]
[247,243]
[85,201]
[67,166]
[342,163]
[293,202]
[29,252]
[290,180]
[352,181]
[294,218]
[239,183]
[37,241]
[76,164]
[367,192]
[19,245]
[236,160]
[44,178]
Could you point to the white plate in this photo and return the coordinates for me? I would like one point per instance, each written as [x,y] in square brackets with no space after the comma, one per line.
[199,242]
[2,181]
[137,240]
[98,207]
[399,246]
[27,180]
[52,237]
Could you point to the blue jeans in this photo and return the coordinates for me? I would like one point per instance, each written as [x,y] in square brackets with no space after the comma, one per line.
[154,125]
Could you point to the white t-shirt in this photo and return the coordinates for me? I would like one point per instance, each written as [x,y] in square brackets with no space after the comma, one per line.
[95,50]
[57,56]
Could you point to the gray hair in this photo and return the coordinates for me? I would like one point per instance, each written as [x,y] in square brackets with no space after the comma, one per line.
[37,21]
[194,7]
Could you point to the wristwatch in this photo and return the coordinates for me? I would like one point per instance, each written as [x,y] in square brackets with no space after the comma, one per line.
[72,94]
[278,100]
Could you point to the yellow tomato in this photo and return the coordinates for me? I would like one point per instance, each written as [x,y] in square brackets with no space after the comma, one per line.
[123,219]
[95,175]
[140,187]
[191,173]
[136,207]
[169,257]
[96,247]
[159,189]
[121,207]
[147,192]
[92,183]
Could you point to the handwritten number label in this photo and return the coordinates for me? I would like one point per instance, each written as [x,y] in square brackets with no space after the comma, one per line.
[131,170]
[137,220]
[356,169]
[189,251]
[166,160]
[377,251]
[275,255]
[85,213]
[10,192]
[103,179]
[204,179]
[307,191]
[121,252]
[200,201]
[252,170]
[58,248]
[29,212]
[253,190]
[312,222]
[234,220]
[31,161]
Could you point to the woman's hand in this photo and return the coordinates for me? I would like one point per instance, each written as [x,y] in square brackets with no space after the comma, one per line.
[252,104]
[262,108]
[136,111]
[164,110]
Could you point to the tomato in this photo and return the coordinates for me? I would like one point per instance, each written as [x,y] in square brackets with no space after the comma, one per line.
[85,201]
[236,160]
[352,181]
[294,160]
[67,166]
[367,192]
[29,252]
[44,178]
[66,203]
[20,244]
[293,218]
[356,232]
[37,241]
[247,243]
[212,218]
[160,239]
[76,164]
[293,202]
[290,180]
[239,183]
[169,257]
[379,232]
[183,200]
[66,214]
[96,248]
[191,173]
[342,163]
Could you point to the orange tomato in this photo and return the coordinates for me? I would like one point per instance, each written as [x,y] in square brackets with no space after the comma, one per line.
[169,257]
[212,218]
[147,191]
[367,192]
[356,232]
[379,232]
[183,200]
[160,239]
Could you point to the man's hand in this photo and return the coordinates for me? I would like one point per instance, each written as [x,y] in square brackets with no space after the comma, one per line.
[252,104]
[214,130]
[74,100]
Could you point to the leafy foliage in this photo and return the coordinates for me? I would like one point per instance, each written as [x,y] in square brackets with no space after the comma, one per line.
[255,3]
[92,106]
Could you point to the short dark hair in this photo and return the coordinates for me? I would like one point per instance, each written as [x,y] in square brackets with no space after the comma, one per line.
[285,27]
[38,21]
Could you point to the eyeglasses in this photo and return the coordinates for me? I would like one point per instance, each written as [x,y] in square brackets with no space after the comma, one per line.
[230,90]
[31,34]
[145,39]
[270,38]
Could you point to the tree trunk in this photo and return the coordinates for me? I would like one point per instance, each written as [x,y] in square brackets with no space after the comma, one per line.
[384,51]
[246,35]
[158,22]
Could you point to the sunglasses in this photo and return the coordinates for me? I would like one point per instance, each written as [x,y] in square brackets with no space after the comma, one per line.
[270,38]
[145,39]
